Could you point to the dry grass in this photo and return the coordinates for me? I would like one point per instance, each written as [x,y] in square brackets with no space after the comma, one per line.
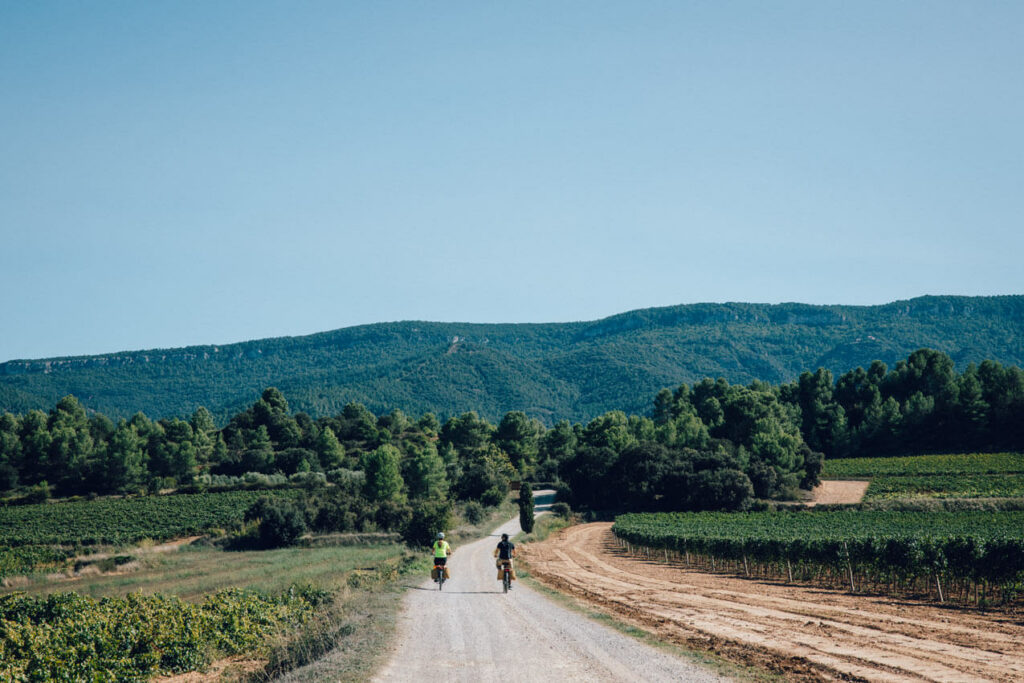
[192,572]
[14,582]
[361,634]
[234,668]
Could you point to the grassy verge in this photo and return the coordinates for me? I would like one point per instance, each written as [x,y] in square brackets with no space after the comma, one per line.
[544,526]
[466,532]
[194,572]
[349,641]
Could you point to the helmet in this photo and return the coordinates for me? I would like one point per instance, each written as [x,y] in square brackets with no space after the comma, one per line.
[504,537]
[440,536]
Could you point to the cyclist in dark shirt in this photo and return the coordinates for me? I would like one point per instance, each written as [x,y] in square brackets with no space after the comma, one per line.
[505,552]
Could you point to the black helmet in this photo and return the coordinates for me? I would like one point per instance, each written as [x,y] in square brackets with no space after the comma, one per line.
[504,537]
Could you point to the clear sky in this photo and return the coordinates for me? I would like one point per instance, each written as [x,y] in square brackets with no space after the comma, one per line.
[190,172]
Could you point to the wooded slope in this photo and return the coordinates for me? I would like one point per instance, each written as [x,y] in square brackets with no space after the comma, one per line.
[552,371]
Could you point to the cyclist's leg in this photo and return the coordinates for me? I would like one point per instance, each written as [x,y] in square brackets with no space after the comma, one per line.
[439,567]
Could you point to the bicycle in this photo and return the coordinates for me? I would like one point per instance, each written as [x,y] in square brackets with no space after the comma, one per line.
[506,575]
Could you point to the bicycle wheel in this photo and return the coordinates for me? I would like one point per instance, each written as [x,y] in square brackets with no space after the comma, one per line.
[506,581]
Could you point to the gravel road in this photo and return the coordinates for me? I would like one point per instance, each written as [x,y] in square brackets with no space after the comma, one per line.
[473,632]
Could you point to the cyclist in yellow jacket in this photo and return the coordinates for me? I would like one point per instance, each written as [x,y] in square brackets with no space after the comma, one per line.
[441,552]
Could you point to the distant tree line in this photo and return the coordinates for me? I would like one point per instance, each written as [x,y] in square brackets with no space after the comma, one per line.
[394,469]
[922,405]
[709,446]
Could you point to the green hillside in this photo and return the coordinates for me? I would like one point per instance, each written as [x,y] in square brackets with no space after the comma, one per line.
[550,371]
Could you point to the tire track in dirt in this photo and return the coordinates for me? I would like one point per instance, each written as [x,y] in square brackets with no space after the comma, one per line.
[807,633]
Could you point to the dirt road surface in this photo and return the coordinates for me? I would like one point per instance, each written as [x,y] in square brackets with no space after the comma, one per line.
[473,632]
[806,633]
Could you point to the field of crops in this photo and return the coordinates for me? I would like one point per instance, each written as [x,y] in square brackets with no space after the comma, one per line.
[919,465]
[118,521]
[31,558]
[183,617]
[70,637]
[960,475]
[946,486]
[880,549]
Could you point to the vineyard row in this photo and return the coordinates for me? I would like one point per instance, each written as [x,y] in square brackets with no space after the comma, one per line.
[70,637]
[979,566]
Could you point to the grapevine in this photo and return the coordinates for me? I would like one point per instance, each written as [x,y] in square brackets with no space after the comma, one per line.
[885,550]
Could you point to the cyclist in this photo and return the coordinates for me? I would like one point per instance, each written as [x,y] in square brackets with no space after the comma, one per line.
[505,552]
[441,552]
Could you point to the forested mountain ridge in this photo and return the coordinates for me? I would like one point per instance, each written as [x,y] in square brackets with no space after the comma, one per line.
[551,370]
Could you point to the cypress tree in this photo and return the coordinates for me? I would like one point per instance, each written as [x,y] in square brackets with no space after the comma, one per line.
[526,507]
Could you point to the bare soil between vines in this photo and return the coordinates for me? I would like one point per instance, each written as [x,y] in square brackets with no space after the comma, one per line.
[804,633]
[838,492]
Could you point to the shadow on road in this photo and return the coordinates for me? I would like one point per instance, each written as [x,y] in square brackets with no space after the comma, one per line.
[434,590]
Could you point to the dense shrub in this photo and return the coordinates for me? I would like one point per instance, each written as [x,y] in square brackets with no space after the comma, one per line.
[813,464]
[343,476]
[493,496]
[308,479]
[561,510]
[393,514]
[725,489]
[563,493]
[473,512]
[762,477]
[281,522]
[40,493]
[340,513]
[427,519]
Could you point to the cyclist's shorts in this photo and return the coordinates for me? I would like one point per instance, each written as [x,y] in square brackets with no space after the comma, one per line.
[440,561]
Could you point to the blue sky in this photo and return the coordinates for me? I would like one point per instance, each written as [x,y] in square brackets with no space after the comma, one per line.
[177,173]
